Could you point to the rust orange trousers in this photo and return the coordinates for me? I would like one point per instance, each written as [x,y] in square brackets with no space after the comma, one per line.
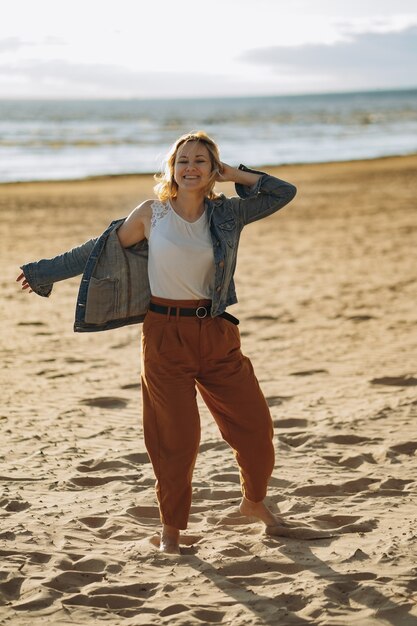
[180,355]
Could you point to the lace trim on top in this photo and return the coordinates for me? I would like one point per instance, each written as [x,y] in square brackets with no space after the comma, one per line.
[159,210]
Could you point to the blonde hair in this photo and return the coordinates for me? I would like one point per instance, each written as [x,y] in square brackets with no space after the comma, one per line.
[167,187]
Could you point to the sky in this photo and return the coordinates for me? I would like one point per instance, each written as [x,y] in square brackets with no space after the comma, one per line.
[209,48]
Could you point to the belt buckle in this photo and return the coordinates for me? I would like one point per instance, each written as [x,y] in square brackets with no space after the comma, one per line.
[204,313]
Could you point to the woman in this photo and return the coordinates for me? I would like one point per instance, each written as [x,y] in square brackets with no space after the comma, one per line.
[170,263]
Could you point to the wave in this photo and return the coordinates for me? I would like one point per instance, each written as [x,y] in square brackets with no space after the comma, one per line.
[44,139]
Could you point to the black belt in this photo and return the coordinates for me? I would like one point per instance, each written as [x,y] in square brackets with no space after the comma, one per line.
[201,312]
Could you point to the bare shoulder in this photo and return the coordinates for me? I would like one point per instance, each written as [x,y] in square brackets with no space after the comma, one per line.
[136,226]
[143,210]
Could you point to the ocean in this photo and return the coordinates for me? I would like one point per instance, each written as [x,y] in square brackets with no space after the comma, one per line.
[69,139]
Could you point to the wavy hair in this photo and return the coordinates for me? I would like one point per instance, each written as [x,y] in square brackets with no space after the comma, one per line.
[167,187]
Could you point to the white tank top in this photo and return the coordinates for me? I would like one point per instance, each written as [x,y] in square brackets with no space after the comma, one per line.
[181,259]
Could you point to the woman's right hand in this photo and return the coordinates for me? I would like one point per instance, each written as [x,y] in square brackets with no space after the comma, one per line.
[25,284]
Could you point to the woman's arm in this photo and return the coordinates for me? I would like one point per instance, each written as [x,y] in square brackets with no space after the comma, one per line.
[39,276]
[136,226]
[259,193]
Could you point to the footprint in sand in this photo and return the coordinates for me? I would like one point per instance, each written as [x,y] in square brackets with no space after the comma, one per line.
[408,447]
[277,400]
[98,465]
[137,458]
[71,581]
[90,564]
[226,478]
[106,402]
[235,551]
[345,523]
[309,372]
[396,381]
[10,589]
[397,484]
[360,576]
[7,535]
[255,565]
[292,601]
[213,445]
[290,422]
[412,584]
[356,460]
[284,318]
[173,609]
[93,521]
[41,599]
[216,495]
[87,564]
[232,519]
[263,318]
[32,557]
[295,440]
[332,489]
[141,513]
[349,439]
[340,593]
[111,602]
[115,597]
[208,616]
[290,529]
[293,530]
[96,481]
[14,506]
[360,318]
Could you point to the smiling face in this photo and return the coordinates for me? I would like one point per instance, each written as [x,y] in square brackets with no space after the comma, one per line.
[192,164]
[193,167]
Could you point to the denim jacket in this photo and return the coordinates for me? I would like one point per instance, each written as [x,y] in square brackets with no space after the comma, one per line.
[114,289]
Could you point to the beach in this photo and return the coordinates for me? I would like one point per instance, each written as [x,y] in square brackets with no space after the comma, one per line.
[327,313]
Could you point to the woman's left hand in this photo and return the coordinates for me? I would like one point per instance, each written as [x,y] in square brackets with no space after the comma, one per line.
[226,174]
[25,284]
[231,174]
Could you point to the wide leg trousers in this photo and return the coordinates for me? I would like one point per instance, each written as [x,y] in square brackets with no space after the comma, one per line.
[180,355]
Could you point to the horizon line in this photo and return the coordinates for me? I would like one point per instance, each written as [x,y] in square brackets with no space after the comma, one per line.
[223,97]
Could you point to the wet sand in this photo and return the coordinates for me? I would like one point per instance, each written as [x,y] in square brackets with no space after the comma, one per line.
[327,306]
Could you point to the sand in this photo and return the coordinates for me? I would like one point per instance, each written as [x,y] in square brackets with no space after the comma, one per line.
[328,317]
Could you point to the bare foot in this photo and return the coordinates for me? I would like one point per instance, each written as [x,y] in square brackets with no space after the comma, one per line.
[276,526]
[170,540]
[259,510]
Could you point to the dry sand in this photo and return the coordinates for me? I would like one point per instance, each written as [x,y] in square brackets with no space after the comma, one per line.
[329,319]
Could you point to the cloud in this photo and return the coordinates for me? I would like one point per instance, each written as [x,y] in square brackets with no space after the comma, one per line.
[64,71]
[64,78]
[361,60]
[11,44]
[390,57]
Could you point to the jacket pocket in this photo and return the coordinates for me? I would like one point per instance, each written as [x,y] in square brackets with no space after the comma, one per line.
[227,232]
[228,225]
[102,299]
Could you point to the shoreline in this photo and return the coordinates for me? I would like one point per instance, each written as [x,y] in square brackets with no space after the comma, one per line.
[263,167]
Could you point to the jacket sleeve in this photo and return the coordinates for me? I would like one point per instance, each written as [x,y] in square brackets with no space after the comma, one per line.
[266,196]
[42,274]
